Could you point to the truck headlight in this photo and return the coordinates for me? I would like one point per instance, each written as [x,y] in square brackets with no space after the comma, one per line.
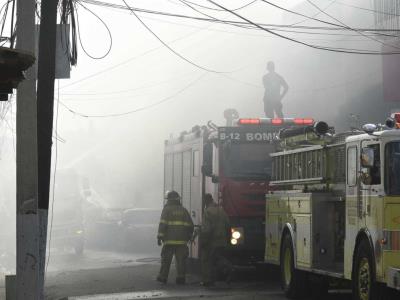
[237,235]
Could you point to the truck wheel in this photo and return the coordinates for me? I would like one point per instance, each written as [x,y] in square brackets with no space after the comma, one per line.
[363,278]
[292,280]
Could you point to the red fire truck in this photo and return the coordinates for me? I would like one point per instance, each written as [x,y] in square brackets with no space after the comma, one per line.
[232,164]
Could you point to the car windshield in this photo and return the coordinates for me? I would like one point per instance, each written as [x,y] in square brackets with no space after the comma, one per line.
[249,160]
[392,168]
[142,217]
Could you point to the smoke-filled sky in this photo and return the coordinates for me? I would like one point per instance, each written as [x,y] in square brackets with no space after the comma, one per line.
[123,155]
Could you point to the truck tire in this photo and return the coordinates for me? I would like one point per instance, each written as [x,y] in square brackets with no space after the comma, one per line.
[364,285]
[293,281]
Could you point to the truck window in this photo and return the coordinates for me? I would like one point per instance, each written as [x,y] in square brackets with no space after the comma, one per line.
[392,168]
[248,160]
[352,166]
[375,171]
[196,163]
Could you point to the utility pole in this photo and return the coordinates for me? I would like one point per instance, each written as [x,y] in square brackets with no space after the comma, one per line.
[45,108]
[27,280]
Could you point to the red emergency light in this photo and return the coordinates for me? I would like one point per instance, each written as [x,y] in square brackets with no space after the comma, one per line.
[277,121]
[307,121]
[393,121]
[396,116]
[249,121]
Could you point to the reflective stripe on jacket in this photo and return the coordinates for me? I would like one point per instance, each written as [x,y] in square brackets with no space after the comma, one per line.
[176,225]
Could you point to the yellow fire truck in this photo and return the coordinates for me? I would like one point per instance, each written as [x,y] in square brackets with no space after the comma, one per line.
[333,210]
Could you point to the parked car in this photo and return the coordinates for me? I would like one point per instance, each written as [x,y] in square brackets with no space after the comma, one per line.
[105,232]
[139,229]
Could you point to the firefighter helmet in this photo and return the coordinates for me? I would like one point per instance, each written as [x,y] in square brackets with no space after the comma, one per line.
[173,195]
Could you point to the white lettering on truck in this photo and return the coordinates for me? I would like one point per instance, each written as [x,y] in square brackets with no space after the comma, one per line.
[258,136]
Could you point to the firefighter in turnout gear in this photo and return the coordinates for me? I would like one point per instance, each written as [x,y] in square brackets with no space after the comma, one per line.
[174,232]
[215,234]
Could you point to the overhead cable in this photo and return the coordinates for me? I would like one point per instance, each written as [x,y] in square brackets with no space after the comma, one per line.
[216,9]
[169,47]
[315,15]
[108,31]
[350,28]
[228,22]
[330,49]
[143,108]
[368,9]
[127,60]
[335,25]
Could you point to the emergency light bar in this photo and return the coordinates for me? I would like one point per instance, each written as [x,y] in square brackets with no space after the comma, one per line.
[393,121]
[277,121]
[396,117]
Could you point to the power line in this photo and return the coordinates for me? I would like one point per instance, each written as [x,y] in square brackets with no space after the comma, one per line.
[311,18]
[12,25]
[143,108]
[368,9]
[105,25]
[315,15]
[188,4]
[185,2]
[261,35]
[144,86]
[216,9]
[127,61]
[348,27]
[228,22]
[330,49]
[167,46]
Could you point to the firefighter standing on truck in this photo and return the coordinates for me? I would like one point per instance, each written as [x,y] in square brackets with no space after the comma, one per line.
[174,232]
[273,84]
[215,234]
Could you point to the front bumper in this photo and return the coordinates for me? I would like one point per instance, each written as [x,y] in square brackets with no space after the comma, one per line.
[393,278]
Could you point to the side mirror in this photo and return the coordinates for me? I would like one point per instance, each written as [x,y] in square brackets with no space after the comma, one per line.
[206,170]
[367,157]
[214,179]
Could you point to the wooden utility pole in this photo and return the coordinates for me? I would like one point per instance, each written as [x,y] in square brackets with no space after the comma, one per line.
[28,284]
[45,108]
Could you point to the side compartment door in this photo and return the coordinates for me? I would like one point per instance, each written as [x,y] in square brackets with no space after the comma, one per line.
[186,179]
[195,197]
[177,183]
[272,238]
[354,205]
[303,240]
[275,214]
[168,171]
